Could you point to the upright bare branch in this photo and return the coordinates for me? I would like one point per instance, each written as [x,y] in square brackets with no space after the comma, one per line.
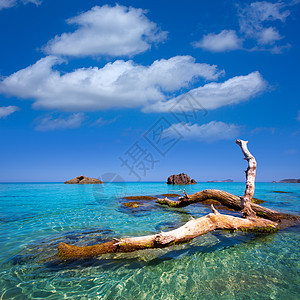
[250,180]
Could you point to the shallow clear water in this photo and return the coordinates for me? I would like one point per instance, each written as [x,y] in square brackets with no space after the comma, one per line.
[34,218]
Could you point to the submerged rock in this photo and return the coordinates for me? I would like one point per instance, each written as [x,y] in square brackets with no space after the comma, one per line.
[140,198]
[131,204]
[181,178]
[258,201]
[83,180]
[171,195]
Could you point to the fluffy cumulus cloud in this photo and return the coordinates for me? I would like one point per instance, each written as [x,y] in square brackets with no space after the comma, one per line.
[117,84]
[12,3]
[51,123]
[106,30]
[7,110]
[210,132]
[224,41]
[214,95]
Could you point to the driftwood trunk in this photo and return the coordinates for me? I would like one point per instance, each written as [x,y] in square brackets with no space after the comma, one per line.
[185,233]
[256,218]
[230,201]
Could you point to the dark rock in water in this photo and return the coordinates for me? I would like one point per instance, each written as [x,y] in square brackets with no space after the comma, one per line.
[131,204]
[171,195]
[181,178]
[258,201]
[288,181]
[140,198]
[83,180]
[281,192]
[226,180]
[165,226]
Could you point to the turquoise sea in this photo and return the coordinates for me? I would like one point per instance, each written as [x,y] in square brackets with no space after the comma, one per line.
[35,217]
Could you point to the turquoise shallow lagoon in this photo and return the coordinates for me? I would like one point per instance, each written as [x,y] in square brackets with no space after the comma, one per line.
[34,218]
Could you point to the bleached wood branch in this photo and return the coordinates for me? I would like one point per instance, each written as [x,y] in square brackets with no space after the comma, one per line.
[250,180]
[185,233]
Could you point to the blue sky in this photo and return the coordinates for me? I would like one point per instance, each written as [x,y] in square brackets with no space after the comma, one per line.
[146,89]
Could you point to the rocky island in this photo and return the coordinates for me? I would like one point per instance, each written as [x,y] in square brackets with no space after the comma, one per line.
[181,178]
[83,180]
[288,181]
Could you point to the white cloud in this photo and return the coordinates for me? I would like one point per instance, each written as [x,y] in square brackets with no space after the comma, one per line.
[7,3]
[258,22]
[7,110]
[106,30]
[266,130]
[210,132]
[36,2]
[50,123]
[224,41]
[214,95]
[117,84]
[254,17]
[291,151]
[101,122]
[268,36]
[12,3]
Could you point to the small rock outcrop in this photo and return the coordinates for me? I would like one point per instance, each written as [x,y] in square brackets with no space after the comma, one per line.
[83,180]
[288,181]
[132,204]
[181,178]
